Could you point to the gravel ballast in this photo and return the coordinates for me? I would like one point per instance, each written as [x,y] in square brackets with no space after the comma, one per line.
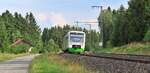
[103,65]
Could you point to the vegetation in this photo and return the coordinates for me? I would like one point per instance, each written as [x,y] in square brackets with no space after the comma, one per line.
[118,27]
[6,56]
[16,26]
[20,49]
[56,36]
[55,64]
[147,36]
[51,47]
[133,48]
[123,26]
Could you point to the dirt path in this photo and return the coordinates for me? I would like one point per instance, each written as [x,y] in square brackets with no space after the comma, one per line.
[17,65]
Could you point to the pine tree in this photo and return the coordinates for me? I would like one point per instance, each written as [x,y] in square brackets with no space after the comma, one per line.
[45,36]
[4,41]
[119,36]
[137,26]
[105,24]
[34,32]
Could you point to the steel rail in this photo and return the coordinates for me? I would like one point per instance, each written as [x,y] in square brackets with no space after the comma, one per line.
[118,58]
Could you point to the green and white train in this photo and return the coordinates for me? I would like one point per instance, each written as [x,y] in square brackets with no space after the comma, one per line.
[74,42]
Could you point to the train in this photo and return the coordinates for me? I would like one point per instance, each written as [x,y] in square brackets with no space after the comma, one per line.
[74,42]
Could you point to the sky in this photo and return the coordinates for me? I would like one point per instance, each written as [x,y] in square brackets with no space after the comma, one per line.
[49,13]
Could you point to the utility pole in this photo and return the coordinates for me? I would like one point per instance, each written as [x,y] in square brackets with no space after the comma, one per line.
[88,23]
[77,23]
[101,22]
[98,7]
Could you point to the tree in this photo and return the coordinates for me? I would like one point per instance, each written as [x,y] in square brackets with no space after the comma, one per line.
[51,47]
[92,41]
[8,20]
[3,37]
[57,34]
[105,24]
[16,26]
[119,36]
[129,25]
[147,36]
[147,13]
[34,32]
[45,36]
[137,24]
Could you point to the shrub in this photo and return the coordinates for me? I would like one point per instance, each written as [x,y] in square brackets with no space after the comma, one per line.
[147,36]
[20,49]
[51,46]
[132,48]
[51,63]
[35,50]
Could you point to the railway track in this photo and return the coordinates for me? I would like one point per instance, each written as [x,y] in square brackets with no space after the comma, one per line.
[112,63]
[121,57]
[124,57]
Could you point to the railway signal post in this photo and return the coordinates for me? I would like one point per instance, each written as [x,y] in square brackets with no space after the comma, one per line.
[101,22]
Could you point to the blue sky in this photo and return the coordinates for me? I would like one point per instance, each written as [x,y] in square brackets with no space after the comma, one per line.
[50,13]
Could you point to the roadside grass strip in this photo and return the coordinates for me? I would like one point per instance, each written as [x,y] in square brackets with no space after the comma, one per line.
[54,64]
[134,48]
[8,56]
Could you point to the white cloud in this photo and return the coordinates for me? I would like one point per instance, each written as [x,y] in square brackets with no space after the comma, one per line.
[57,19]
[90,20]
[42,17]
[54,18]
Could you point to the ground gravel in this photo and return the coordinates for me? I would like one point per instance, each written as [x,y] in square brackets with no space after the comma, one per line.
[102,65]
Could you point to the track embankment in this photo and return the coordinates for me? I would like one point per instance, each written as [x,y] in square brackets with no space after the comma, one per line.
[112,63]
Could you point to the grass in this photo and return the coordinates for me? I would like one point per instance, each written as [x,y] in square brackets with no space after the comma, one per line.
[55,64]
[134,48]
[7,56]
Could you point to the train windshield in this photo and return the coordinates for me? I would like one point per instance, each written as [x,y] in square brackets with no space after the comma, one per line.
[76,37]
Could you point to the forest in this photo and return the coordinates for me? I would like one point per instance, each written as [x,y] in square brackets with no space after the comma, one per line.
[125,25]
[16,26]
[56,35]
[118,27]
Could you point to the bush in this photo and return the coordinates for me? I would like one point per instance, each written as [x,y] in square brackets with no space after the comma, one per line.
[50,47]
[35,50]
[147,36]
[132,48]
[20,49]
[51,63]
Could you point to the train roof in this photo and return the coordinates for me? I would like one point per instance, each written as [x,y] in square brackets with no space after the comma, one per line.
[76,31]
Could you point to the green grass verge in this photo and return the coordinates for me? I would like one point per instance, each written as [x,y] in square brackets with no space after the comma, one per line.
[55,64]
[7,56]
[134,48]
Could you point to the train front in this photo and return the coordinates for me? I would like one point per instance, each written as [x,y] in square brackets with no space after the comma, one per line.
[77,42]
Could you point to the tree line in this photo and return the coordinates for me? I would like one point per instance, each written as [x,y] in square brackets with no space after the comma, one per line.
[123,26]
[56,35]
[13,26]
[118,27]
